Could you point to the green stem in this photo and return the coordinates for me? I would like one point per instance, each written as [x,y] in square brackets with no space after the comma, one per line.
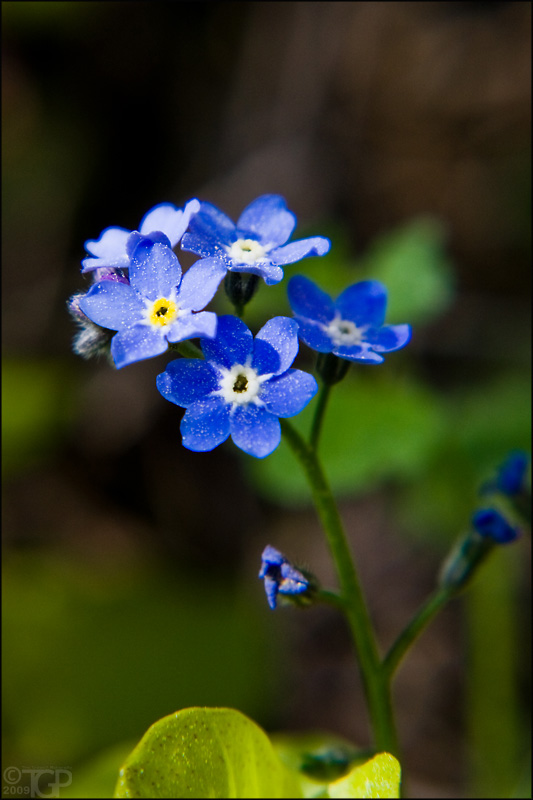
[423,616]
[186,349]
[375,682]
[319,415]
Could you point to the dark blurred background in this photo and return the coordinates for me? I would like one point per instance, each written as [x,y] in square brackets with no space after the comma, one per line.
[402,131]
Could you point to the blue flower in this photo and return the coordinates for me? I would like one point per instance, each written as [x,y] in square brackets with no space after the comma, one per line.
[110,249]
[156,305]
[257,244]
[492,525]
[350,327]
[241,388]
[280,576]
[511,474]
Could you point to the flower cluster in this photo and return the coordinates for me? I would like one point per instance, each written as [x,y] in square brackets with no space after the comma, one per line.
[140,302]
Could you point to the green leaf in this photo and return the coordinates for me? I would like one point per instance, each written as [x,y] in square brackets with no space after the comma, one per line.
[205,752]
[379,777]
[412,264]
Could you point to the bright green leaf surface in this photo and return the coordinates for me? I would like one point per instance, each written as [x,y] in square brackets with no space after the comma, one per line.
[205,752]
[379,777]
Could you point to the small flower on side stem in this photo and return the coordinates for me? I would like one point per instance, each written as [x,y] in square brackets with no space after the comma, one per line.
[283,578]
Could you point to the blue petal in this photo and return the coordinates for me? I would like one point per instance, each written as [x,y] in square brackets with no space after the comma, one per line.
[270,557]
[358,352]
[205,425]
[314,336]
[209,231]
[136,344]
[270,273]
[112,305]
[491,524]
[155,269]
[363,303]
[170,220]
[268,218]
[314,246]
[271,589]
[190,326]
[289,394]
[232,344]
[255,430]
[388,337]
[200,282]
[186,380]
[307,300]
[275,346]
[109,250]
[135,238]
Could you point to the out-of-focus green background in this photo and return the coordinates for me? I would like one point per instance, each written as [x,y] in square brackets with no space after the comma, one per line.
[402,131]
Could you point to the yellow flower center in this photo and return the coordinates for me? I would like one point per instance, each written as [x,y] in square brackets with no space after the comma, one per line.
[163,312]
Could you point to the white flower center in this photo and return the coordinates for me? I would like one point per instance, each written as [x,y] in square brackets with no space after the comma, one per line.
[343,332]
[240,385]
[246,251]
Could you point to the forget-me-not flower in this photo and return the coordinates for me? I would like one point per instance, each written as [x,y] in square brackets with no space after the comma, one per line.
[280,576]
[493,526]
[156,306]
[510,478]
[257,244]
[350,327]
[241,388]
[110,249]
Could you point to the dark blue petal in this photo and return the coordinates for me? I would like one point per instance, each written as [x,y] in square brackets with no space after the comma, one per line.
[275,346]
[112,305]
[491,524]
[187,380]
[136,344]
[154,269]
[189,326]
[210,231]
[255,430]
[205,424]
[302,248]
[356,352]
[314,336]
[200,282]
[363,303]
[109,250]
[269,219]
[289,394]
[512,473]
[232,344]
[308,301]
[388,338]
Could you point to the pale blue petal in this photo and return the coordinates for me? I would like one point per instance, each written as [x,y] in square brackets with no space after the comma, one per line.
[271,589]
[255,430]
[388,338]
[270,273]
[209,232]
[294,251]
[172,221]
[232,344]
[276,346]
[155,269]
[200,282]
[269,219]
[288,394]
[362,352]
[192,325]
[307,300]
[112,305]
[109,250]
[136,344]
[187,380]
[363,303]
[205,425]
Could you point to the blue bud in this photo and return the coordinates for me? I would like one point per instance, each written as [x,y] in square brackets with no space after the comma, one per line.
[491,524]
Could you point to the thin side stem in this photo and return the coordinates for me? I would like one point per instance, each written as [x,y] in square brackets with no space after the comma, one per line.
[186,349]
[423,616]
[319,415]
[375,682]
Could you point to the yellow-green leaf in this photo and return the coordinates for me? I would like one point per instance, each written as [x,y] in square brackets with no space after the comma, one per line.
[379,777]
